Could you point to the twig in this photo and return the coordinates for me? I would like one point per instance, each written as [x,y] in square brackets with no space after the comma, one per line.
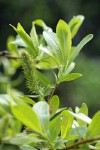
[3,54]
[75,145]
[52,92]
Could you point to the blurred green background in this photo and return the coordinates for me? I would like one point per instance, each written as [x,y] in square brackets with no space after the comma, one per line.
[87,88]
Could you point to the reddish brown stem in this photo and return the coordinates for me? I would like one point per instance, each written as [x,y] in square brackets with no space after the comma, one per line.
[77,144]
[52,93]
[9,56]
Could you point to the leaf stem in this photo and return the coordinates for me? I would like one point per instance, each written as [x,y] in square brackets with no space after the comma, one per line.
[75,145]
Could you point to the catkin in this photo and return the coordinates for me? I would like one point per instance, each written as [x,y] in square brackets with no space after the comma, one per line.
[32,81]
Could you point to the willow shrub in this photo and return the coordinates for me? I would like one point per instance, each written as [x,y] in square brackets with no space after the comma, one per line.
[29,125]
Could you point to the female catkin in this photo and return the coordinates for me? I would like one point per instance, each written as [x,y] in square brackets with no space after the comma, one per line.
[30,72]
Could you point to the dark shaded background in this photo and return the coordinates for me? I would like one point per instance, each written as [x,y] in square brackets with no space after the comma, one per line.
[25,11]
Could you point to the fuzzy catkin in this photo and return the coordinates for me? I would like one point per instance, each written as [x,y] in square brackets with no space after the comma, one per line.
[32,81]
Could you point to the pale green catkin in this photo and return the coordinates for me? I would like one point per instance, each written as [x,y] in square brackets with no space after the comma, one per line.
[28,65]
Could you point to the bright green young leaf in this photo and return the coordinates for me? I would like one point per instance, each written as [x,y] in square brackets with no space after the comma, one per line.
[64,39]
[84,110]
[26,115]
[66,125]
[80,46]
[11,47]
[34,38]
[46,62]
[54,128]
[98,145]
[26,38]
[69,77]
[94,127]
[52,54]
[42,111]
[41,23]
[66,71]
[54,105]
[75,24]
[28,100]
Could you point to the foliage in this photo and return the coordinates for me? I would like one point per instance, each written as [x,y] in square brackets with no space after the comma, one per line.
[89,83]
[46,126]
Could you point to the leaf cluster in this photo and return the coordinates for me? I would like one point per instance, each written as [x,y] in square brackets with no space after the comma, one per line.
[46,126]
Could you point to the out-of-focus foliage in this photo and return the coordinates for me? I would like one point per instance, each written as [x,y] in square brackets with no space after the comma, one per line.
[87,88]
[25,11]
[8,68]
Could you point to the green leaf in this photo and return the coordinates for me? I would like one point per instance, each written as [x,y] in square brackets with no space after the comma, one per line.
[75,24]
[52,54]
[54,105]
[45,81]
[20,139]
[69,77]
[18,41]
[66,71]
[81,117]
[41,23]
[42,111]
[26,115]
[34,38]
[80,46]
[28,100]
[83,110]
[94,127]
[50,38]
[4,102]
[66,125]
[54,128]
[64,39]
[26,38]
[12,48]
[80,131]
[8,147]
[98,145]
[46,62]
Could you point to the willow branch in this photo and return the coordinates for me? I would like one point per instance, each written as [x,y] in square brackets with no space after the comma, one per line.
[52,93]
[2,54]
[77,144]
